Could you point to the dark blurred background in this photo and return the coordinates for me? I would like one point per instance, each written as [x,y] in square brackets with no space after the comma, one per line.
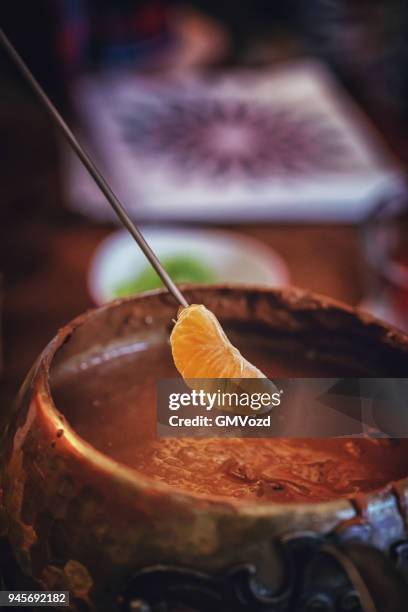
[46,247]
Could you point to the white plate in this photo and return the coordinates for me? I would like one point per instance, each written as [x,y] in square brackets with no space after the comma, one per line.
[232,258]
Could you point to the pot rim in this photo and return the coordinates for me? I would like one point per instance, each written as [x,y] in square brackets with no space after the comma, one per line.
[110,468]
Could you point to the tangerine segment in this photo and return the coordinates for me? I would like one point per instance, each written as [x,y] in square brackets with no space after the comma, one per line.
[201,348]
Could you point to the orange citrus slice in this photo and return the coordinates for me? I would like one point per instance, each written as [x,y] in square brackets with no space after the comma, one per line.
[201,348]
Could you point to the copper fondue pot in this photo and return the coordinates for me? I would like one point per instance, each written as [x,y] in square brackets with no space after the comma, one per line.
[77,520]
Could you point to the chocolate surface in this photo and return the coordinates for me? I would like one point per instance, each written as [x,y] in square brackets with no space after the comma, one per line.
[110,402]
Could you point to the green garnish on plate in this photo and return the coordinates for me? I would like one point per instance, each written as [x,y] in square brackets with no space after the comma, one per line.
[181,268]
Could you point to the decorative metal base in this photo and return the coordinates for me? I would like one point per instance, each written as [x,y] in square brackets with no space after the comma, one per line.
[315,581]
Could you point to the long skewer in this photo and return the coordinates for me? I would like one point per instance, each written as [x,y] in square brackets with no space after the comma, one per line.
[92,169]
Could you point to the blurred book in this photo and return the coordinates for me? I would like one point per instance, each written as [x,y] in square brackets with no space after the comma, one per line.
[287,144]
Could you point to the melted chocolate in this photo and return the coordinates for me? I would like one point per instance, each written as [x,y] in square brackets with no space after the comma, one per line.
[111,404]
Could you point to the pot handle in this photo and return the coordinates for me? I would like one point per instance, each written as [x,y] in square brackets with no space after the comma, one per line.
[380,586]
